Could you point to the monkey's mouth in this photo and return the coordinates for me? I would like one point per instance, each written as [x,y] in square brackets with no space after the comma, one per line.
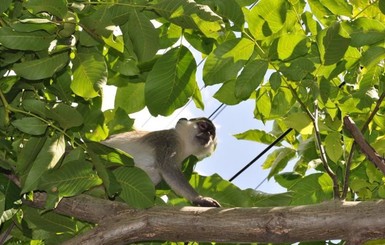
[203,138]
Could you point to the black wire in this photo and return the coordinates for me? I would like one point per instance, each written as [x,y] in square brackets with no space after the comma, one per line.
[219,107]
[261,154]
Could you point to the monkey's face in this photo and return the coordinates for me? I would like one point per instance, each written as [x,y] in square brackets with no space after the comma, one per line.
[199,134]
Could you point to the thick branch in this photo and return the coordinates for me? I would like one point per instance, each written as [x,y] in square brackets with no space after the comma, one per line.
[327,221]
[370,153]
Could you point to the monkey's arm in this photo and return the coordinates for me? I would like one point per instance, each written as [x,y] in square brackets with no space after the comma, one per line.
[178,183]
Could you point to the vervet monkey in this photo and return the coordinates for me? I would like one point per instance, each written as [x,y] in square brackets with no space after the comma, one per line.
[161,153]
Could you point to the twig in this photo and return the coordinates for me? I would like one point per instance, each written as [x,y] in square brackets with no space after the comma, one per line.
[370,153]
[324,160]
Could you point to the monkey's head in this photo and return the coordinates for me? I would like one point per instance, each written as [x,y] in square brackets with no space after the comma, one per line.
[198,135]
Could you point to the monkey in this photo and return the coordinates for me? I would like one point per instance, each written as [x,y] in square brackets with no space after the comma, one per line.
[161,153]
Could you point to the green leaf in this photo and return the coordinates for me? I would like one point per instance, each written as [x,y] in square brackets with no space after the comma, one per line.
[381,5]
[6,83]
[277,160]
[51,152]
[28,153]
[118,121]
[89,74]
[55,7]
[66,116]
[266,18]
[256,135]
[300,122]
[130,97]
[109,181]
[291,46]
[366,32]
[10,193]
[261,199]
[30,125]
[373,56]
[250,78]
[275,81]
[226,193]
[142,34]
[191,15]
[5,4]
[35,41]
[311,189]
[231,10]
[226,95]
[332,44]
[338,7]
[298,69]
[48,221]
[37,107]
[227,59]
[137,188]
[171,81]
[70,179]
[333,146]
[41,68]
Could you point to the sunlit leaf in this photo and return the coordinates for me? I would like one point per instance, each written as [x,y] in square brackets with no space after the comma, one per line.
[171,82]
[51,152]
[334,45]
[89,74]
[124,95]
[300,122]
[143,35]
[225,62]
[266,18]
[338,7]
[250,78]
[191,15]
[277,160]
[226,93]
[214,186]
[314,188]
[333,146]
[256,135]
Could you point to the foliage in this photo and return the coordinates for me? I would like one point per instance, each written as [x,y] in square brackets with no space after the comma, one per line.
[306,64]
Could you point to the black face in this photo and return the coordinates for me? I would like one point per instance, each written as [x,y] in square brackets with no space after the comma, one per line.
[206,129]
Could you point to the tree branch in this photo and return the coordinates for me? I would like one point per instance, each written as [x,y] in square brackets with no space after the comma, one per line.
[119,224]
[350,158]
[370,153]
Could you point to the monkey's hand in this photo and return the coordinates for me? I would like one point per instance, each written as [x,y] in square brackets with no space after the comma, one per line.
[206,202]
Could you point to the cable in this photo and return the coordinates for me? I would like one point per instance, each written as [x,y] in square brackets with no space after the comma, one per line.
[216,110]
[260,183]
[261,154]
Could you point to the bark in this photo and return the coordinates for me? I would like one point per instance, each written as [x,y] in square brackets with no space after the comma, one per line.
[119,224]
